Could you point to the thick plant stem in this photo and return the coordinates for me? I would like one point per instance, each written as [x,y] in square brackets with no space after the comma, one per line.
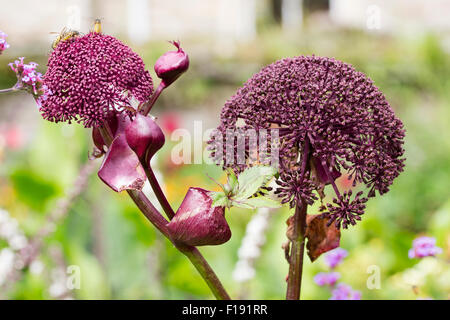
[199,262]
[146,107]
[155,217]
[298,235]
[205,271]
[297,251]
[158,192]
[149,211]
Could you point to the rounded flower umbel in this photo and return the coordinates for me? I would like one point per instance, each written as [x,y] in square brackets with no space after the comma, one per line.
[91,77]
[331,119]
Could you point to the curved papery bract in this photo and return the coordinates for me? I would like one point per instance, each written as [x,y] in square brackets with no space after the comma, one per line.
[196,223]
[121,168]
[144,137]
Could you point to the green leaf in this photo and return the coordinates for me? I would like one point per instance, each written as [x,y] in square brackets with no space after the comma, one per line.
[219,199]
[232,181]
[262,202]
[241,204]
[252,179]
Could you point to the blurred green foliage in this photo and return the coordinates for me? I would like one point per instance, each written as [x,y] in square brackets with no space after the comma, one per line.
[120,254]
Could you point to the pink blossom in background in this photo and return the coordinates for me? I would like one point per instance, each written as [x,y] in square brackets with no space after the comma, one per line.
[3,44]
[424,247]
[345,292]
[335,257]
[326,279]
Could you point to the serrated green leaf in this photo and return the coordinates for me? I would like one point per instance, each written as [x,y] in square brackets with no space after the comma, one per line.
[262,202]
[252,179]
[219,199]
[241,204]
[232,181]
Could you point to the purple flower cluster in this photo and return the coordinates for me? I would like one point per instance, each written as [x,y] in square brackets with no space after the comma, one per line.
[334,257]
[326,279]
[424,247]
[27,77]
[345,292]
[3,44]
[339,291]
[91,77]
[330,118]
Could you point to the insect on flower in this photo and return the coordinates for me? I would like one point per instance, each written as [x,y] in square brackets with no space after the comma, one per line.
[64,35]
[98,26]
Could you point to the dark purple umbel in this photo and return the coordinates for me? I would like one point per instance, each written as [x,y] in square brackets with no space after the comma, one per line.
[172,64]
[91,77]
[144,137]
[196,223]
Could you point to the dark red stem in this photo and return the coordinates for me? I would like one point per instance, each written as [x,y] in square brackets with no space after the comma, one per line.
[294,281]
[147,106]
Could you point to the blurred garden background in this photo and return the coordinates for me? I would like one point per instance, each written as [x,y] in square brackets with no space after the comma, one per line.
[404,46]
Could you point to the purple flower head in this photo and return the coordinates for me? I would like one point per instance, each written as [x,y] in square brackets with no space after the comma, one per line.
[172,64]
[330,118]
[424,247]
[326,279]
[3,44]
[28,78]
[334,257]
[91,77]
[345,292]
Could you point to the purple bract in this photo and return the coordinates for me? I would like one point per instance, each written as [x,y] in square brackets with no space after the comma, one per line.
[196,223]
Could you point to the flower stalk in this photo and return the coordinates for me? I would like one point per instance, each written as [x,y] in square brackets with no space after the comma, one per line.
[8,90]
[155,217]
[159,192]
[294,282]
[147,106]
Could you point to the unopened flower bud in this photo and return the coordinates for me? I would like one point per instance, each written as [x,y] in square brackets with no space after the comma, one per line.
[172,64]
[144,136]
[196,223]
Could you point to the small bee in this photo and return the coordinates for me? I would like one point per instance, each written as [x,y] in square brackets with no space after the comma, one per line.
[64,35]
[98,26]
